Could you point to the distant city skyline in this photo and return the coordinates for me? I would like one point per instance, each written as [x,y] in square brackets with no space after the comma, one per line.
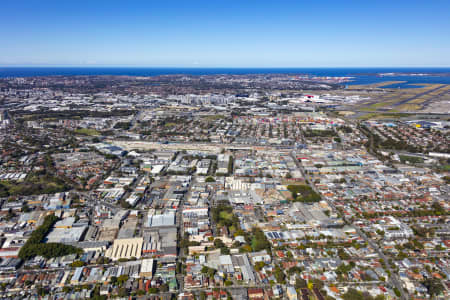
[225,34]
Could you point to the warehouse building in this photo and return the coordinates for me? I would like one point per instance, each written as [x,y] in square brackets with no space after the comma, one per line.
[161,220]
[147,268]
[66,235]
[125,248]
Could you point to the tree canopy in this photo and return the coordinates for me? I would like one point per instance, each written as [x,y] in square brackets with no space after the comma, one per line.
[35,245]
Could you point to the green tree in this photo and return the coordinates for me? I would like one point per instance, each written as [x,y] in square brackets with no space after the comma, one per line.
[434,286]
[210,179]
[294,270]
[122,292]
[26,208]
[164,288]
[122,279]
[300,283]
[259,240]
[35,246]
[259,265]
[279,274]
[202,295]
[353,294]
[77,264]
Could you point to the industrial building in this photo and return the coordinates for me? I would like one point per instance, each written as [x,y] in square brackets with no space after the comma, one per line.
[147,268]
[125,248]
[161,220]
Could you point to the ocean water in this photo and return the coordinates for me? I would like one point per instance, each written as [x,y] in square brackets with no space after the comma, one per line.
[361,75]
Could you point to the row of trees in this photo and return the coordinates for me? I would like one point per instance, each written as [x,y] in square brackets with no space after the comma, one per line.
[353,294]
[435,210]
[123,125]
[319,133]
[35,245]
[70,114]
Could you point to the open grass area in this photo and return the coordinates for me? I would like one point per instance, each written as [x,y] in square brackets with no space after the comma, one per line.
[303,193]
[411,159]
[369,116]
[386,84]
[407,99]
[33,185]
[346,113]
[408,107]
[381,115]
[379,105]
[373,85]
[420,100]
[445,168]
[225,215]
[213,118]
[87,131]
[368,109]
[170,124]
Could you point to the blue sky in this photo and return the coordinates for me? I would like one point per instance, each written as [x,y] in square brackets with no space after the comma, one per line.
[225,33]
